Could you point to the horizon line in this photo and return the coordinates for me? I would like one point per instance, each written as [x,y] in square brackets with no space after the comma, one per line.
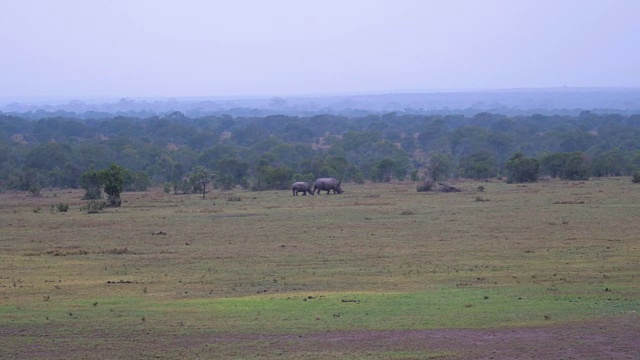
[66,99]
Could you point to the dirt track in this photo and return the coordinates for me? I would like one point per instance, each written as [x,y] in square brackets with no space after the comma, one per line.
[616,338]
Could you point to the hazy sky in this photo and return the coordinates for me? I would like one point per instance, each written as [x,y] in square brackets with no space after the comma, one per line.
[140,48]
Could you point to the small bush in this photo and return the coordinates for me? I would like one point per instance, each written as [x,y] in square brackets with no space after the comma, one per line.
[35,190]
[480,188]
[234,197]
[62,207]
[94,206]
[92,195]
[66,252]
[37,210]
[427,185]
[636,177]
[117,251]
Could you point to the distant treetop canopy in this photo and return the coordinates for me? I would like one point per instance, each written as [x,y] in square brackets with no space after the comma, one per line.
[270,152]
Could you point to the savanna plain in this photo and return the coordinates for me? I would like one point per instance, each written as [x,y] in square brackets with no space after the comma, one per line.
[547,270]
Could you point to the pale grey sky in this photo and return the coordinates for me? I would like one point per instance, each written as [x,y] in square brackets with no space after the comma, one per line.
[145,48]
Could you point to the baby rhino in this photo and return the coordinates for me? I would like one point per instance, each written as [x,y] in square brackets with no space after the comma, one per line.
[301,186]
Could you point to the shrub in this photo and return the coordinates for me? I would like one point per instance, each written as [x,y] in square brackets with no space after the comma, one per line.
[636,177]
[234,197]
[94,206]
[439,167]
[277,178]
[35,190]
[226,182]
[427,185]
[479,165]
[91,182]
[117,251]
[415,175]
[66,252]
[113,181]
[62,207]
[521,169]
[136,181]
[576,167]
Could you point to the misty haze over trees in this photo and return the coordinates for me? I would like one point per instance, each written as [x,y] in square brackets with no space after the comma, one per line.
[43,149]
[561,101]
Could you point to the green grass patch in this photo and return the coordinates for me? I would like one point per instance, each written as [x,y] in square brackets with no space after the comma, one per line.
[446,308]
[300,313]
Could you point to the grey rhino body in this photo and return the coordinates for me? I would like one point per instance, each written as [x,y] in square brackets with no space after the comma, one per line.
[301,186]
[327,184]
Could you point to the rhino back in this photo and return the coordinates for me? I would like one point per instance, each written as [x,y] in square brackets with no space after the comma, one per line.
[325,183]
[300,185]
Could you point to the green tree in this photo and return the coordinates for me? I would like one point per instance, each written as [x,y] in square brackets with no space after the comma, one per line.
[521,169]
[280,177]
[113,182]
[577,140]
[273,178]
[435,136]
[479,165]
[91,182]
[136,181]
[567,166]
[610,163]
[200,177]
[233,171]
[466,140]
[576,167]
[383,170]
[226,182]
[553,164]
[439,167]
[335,166]
[634,162]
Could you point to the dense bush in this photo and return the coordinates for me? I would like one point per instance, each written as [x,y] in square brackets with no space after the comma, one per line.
[521,169]
[267,152]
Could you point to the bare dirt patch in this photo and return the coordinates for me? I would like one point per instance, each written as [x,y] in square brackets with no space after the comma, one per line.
[611,338]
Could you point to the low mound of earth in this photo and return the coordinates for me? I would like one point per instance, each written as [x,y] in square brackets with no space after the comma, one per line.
[612,338]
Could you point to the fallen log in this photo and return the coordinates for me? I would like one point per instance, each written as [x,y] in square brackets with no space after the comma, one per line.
[448,188]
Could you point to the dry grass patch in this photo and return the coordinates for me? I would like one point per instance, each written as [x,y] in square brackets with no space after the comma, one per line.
[225,268]
[568,202]
[66,251]
[117,251]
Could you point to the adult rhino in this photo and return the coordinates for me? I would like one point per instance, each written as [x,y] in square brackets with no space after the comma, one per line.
[301,186]
[327,184]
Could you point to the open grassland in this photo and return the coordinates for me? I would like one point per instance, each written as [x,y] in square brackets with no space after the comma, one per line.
[550,269]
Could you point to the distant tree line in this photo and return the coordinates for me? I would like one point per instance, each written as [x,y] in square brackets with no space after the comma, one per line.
[272,151]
